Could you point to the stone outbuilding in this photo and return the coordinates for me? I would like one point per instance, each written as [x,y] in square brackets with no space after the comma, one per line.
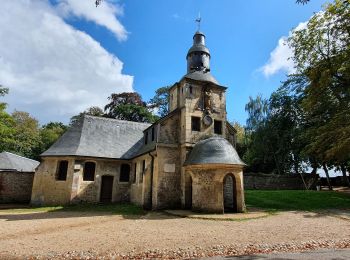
[214,175]
[185,160]
[16,178]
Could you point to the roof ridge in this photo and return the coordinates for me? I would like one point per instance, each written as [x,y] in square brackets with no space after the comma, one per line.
[118,120]
[20,156]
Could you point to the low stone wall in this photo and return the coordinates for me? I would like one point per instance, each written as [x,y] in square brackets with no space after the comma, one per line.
[261,181]
[16,187]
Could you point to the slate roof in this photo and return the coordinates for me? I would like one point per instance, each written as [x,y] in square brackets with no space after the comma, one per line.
[14,162]
[198,48]
[214,150]
[100,137]
[202,76]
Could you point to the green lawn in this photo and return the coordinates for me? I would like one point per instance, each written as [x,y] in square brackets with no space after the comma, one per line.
[296,200]
[118,209]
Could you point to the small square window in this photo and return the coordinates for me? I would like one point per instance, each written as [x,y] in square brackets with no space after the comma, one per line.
[196,123]
[218,127]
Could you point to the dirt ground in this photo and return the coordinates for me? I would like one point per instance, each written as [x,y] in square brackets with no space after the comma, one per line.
[85,235]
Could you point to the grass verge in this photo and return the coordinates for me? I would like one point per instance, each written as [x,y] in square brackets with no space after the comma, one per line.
[277,200]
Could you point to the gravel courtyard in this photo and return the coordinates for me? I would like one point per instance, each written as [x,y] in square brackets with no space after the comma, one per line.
[75,235]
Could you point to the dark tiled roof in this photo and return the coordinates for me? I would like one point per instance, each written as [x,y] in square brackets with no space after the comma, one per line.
[14,162]
[214,150]
[202,76]
[100,137]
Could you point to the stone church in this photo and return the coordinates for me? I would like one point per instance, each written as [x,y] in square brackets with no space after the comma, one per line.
[185,160]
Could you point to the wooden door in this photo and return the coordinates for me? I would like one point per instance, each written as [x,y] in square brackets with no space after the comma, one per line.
[188,192]
[229,194]
[106,189]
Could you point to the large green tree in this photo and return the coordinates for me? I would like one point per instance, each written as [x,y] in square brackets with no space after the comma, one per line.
[7,124]
[129,106]
[27,134]
[322,55]
[49,134]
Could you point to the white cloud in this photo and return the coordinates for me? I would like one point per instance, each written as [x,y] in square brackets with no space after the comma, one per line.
[105,15]
[280,57]
[53,70]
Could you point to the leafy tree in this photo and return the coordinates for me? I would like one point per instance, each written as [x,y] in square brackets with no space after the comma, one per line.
[117,99]
[129,106]
[92,111]
[49,134]
[241,145]
[134,113]
[7,123]
[26,134]
[257,111]
[3,91]
[257,154]
[322,55]
[160,101]
[274,142]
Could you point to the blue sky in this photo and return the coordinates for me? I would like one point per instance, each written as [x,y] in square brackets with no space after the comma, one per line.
[144,44]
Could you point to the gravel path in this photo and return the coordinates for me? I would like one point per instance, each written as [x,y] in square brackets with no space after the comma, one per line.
[84,235]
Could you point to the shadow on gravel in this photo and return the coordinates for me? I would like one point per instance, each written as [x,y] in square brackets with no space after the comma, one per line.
[25,212]
[16,212]
[339,213]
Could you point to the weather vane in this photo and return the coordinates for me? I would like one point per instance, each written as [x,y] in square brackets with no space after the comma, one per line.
[98,2]
[198,20]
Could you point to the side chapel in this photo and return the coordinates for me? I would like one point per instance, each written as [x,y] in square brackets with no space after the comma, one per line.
[184,160]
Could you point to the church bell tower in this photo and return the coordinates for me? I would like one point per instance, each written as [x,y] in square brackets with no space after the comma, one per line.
[199,97]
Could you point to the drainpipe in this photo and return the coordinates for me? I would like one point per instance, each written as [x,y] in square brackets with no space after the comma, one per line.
[152,168]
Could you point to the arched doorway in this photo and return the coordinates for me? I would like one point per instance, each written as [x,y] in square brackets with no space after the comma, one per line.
[188,192]
[106,189]
[229,192]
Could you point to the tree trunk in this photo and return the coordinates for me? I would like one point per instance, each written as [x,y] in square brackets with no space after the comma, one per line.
[327,176]
[302,177]
[277,164]
[346,181]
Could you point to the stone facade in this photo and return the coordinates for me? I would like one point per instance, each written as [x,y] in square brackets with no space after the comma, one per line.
[158,174]
[49,190]
[15,187]
[209,179]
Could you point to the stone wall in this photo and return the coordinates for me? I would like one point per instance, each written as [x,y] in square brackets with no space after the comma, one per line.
[141,180]
[169,130]
[167,178]
[47,190]
[15,187]
[262,181]
[207,187]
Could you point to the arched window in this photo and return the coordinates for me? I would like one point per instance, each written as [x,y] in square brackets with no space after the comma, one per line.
[89,171]
[124,173]
[62,169]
